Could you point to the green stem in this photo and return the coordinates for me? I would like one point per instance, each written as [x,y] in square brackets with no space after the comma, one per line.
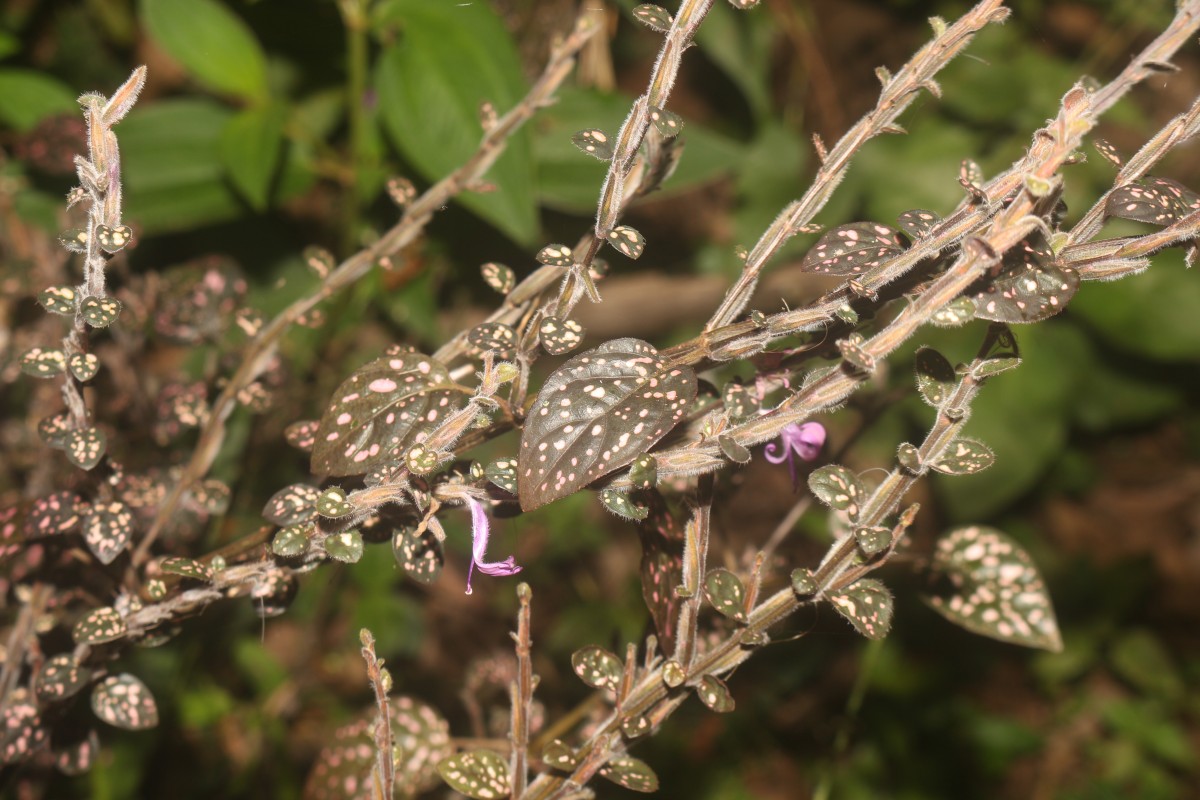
[354,16]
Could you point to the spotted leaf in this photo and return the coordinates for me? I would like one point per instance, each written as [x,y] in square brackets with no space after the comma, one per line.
[123,701]
[631,773]
[1159,201]
[85,447]
[99,626]
[39,363]
[292,505]
[867,605]
[918,222]
[556,255]
[987,583]
[77,758]
[620,504]
[100,312]
[1030,287]
[332,503]
[635,726]
[503,473]
[954,314]
[559,756]
[594,142]
[803,582]
[726,593]
[668,123]
[107,529]
[302,435]
[838,488]
[376,414]
[291,541]
[53,514]
[346,546]
[643,472]
[713,692]
[58,300]
[501,339]
[935,376]
[597,667]
[53,430]
[83,366]
[62,677]
[853,249]
[627,241]
[662,568]
[21,730]
[498,276]
[420,555]
[964,457]
[652,16]
[909,457]
[187,568]
[343,769]
[872,540]
[1108,152]
[480,774]
[740,402]
[560,335]
[319,261]
[596,414]
[112,239]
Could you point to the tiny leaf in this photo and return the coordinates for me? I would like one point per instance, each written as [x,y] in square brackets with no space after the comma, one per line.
[853,249]
[292,505]
[420,555]
[480,774]
[652,16]
[501,339]
[594,142]
[99,626]
[62,677]
[964,457]
[58,300]
[556,255]
[332,503]
[620,504]
[837,487]
[107,529]
[627,241]
[597,667]
[867,605]
[872,540]
[100,312]
[935,376]
[83,366]
[668,123]
[560,335]
[291,541]
[918,222]
[1159,201]
[498,276]
[503,473]
[726,593]
[187,568]
[1030,286]
[346,546]
[713,692]
[631,773]
[123,701]
[85,447]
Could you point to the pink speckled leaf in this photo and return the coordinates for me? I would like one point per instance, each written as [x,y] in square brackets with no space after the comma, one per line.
[379,411]
[853,249]
[990,586]
[867,605]
[123,701]
[596,414]
[1030,286]
[1159,201]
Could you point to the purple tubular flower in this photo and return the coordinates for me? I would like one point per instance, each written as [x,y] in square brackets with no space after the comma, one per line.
[480,531]
[804,441]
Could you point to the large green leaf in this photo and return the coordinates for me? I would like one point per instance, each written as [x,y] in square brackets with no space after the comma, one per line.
[570,180]
[212,43]
[250,147]
[450,58]
[27,97]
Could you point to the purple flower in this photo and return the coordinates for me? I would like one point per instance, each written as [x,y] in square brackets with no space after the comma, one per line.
[480,531]
[796,440]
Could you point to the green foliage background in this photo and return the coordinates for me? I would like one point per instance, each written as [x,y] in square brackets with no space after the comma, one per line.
[268,126]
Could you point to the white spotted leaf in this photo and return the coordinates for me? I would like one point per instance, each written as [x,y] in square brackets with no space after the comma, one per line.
[654,17]
[1159,201]
[918,222]
[1030,286]
[713,692]
[123,701]
[107,529]
[594,142]
[480,774]
[838,488]
[627,241]
[597,667]
[99,626]
[726,593]
[382,409]
[935,376]
[620,504]
[85,447]
[964,457]
[853,249]
[631,773]
[420,555]
[596,414]
[867,605]
[989,585]
[346,546]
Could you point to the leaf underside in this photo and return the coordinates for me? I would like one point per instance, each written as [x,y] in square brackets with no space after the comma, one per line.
[596,414]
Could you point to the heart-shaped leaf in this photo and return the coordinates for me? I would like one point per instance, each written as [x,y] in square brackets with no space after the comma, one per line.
[39,363]
[83,366]
[872,540]
[21,731]
[668,123]
[1029,288]
[867,605]
[596,414]
[837,487]
[419,555]
[627,241]
[726,593]
[1159,201]
[965,457]
[99,626]
[803,582]
[107,529]
[332,503]
[100,312]
[853,249]
[1108,152]
[632,773]
[992,588]
[85,447]
[597,667]
[113,239]
[501,339]
[58,300]
[382,409]
[634,726]
[53,430]
[556,255]
[559,756]
[123,701]
[503,473]
[291,541]
[480,774]
[935,376]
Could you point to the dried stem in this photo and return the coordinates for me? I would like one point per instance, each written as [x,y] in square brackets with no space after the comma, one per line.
[522,695]
[381,682]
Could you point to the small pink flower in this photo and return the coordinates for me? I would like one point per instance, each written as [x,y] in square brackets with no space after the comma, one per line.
[804,441]
[480,532]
